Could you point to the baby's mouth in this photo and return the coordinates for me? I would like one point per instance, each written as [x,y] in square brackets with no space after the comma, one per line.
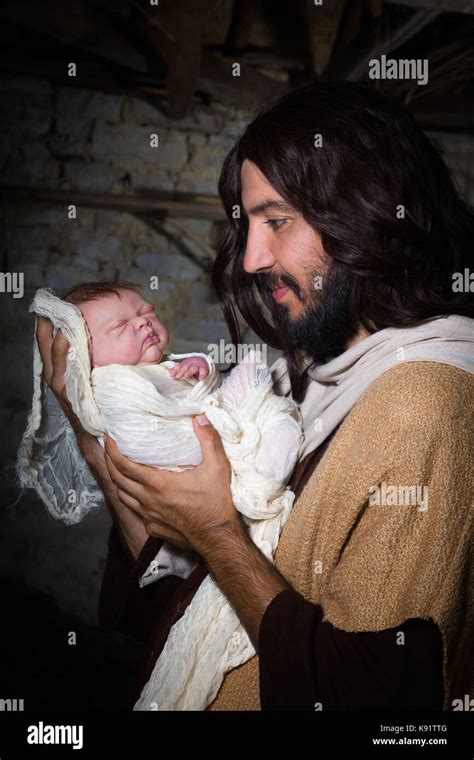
[150,338]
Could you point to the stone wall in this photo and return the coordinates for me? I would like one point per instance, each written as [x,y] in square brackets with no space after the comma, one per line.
[77,140]
[70,139]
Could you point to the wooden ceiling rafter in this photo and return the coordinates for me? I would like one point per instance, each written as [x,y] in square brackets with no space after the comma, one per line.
[82,25]
[166,28]
[181,52]
[351,63]
[176,204]
[448,6]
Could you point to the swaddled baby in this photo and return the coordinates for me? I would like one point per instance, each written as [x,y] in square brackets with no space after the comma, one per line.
[130,367]
[147,399]
[119,380]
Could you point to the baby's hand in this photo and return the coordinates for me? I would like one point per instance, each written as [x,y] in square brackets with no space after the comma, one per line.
[194,366]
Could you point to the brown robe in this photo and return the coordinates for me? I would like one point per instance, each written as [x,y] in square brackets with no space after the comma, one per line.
[364,452]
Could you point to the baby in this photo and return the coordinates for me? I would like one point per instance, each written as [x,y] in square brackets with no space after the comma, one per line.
[146,399]
[125,329]
[119,380]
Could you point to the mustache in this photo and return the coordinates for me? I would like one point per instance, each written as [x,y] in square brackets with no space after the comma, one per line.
[270,280]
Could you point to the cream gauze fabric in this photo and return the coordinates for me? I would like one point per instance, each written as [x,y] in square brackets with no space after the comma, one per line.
[149,414]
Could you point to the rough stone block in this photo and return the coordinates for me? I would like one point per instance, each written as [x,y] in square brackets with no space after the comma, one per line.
[32,167]
[30,238]
[156,180]
[198,119]
[128,147]
[62,278]
[76,108]
[91,176]
[29,115]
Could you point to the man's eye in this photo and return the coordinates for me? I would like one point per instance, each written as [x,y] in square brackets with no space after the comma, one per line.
[119,324]
[276,224]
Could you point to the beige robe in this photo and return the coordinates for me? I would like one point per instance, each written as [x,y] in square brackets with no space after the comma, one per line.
[373,566]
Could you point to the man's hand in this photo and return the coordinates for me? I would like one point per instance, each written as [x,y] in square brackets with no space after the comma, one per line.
[183,508]
[194,509]
[53,353]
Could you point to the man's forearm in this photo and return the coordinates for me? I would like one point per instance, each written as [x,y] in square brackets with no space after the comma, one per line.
[244,575]
[128,523]
[53,355]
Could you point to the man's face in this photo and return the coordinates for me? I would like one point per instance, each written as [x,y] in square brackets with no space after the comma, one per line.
[311,298]
[124,330]
[280,243]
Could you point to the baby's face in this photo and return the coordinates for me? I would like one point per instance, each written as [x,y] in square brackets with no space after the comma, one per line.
[124,330]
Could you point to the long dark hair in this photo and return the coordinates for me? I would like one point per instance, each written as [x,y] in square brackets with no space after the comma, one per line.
[373,161]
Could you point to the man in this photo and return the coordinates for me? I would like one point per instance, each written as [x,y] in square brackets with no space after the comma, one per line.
[345,232]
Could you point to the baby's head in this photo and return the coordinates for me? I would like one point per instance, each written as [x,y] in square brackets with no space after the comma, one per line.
[123,325]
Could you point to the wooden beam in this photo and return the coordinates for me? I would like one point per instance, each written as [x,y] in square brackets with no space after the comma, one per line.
[217,28]
[444,111]
[450,6]
[215,81]
[351,62]
[92,76]
[176,31]
[181,238]
[77,24]
[323,24]
[240,29]
[270,60]
[179,205]
[249,90]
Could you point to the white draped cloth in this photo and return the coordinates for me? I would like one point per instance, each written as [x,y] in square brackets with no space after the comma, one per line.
[149,414]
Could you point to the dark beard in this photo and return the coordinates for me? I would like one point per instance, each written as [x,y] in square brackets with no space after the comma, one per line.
[327,324]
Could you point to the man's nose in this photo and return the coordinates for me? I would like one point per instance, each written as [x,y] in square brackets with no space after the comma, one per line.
[257,256]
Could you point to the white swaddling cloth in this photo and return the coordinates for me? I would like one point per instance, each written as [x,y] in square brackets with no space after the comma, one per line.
[149,415]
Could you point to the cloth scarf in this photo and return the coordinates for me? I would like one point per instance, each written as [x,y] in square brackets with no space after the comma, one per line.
[331,389]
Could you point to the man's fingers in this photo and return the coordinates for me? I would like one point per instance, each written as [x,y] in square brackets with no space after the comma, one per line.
[128,486]
[133,478]
[210,440]
[130,502]
[159,529]
[59,351]
[127,468]
[53,352]
[44,338]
